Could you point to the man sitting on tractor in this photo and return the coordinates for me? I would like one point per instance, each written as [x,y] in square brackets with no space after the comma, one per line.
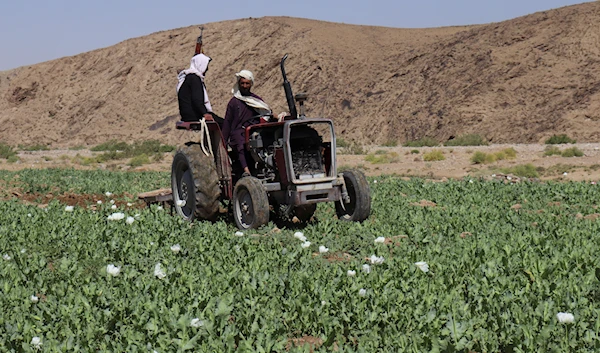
[244,109]
[191,91]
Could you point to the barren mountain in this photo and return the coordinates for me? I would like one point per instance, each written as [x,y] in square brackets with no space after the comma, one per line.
[521,80]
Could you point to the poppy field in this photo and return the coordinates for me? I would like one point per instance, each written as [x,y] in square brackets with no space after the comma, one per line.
[457,266]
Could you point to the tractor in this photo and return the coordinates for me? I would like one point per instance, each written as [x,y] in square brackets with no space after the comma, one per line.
[293,169]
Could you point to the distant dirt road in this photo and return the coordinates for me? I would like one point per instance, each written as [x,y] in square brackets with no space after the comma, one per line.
[407,162]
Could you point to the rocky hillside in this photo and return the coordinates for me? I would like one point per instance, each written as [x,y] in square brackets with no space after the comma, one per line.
[520,80]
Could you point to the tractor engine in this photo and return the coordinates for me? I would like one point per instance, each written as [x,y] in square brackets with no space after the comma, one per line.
[307,152]
[306,149]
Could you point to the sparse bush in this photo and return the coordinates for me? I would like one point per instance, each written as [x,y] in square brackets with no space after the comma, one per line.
[482,158]
[112,145]
[120,150]
[487,158]
[559,139]
[139,160]
[353,148]
[415,151]
[551,151]
[382,158]
[340,142]
[12,159]
[424,142]
[6,151]
[572,152]
[522,170]
[77,148]
[557,169]
[158,157]
[467,140]
[435,155]
[36,147]
[510,153]
[390,143]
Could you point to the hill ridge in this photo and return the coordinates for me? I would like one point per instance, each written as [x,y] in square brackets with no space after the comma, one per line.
[516,81]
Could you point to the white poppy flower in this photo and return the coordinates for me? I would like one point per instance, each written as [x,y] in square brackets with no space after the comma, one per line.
[112,202]
[376,260]
[116,216]
[565,318]
[196,323]
[108,194]
[29,215]
[362,292]
[99,202]
[130,220]
[34,299]
[351,273]
[375,181]
[113,270]
[366,268]
[380,240]
[323,302]
[181,203]
[113,207]
[306,244]
[471,181]
[151,243]
[423,266]
[159,208]
[323,249]
[23,251]
[239,234]
[176,248]
[300,236]
[69,208]
[129,204]
[6,257]
[36,342]
[158,271]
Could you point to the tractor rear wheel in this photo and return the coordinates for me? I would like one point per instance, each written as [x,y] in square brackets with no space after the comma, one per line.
[250,204]
[359,207]
[195,184]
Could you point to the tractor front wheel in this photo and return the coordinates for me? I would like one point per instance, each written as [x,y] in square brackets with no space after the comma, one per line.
[359,206]
[195,184]
[250,204]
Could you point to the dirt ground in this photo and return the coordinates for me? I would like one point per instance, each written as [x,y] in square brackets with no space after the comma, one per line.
[406,162]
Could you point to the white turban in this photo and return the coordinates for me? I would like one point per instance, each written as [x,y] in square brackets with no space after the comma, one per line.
[198,66]
[260,106]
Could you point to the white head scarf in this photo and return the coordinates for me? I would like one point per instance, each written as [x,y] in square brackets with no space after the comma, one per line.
[261,107]
[198,66]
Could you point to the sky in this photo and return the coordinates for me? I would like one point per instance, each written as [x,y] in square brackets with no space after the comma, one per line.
[35,31]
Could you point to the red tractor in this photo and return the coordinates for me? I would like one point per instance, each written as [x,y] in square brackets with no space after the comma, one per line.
[294,168]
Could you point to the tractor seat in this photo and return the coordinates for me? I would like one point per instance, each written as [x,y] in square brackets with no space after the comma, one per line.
[301,97]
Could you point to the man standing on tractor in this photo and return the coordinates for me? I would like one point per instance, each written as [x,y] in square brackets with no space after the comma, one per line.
[191,91]
[244,109]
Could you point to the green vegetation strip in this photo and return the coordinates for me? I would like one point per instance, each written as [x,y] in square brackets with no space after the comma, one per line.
[502,261]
